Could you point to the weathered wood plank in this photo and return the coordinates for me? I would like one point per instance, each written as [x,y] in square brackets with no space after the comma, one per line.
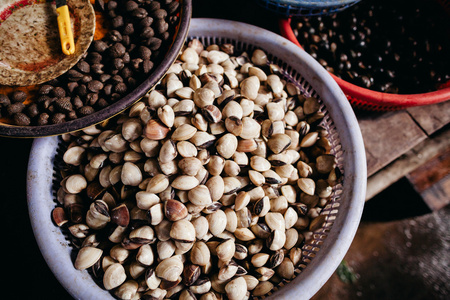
[387,136]
[431,117]
[432,180]
[407,163]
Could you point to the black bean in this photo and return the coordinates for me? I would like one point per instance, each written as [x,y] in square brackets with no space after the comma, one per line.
[117,22]
[161,26]
[86,79]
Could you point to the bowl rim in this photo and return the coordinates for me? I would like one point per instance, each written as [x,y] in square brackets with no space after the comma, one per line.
[120,105]
[311,279]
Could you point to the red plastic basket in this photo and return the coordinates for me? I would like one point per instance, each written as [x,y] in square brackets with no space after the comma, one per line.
[366,99]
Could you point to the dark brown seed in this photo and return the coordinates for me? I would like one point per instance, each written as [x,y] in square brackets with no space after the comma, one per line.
[18,96]
[63,104]
[71,86]
[114,36]
[76,101]
[83,66]
[86,110]
[117,22]
[144,52]
[4,100]
[94,57]
[95,86]
[153,43]
[32,110]
[45,89]
[159,13]
[161,26]
[172,7]
[21,119]
[58,118]
[147,66]
[117,50]
[74,75]
[43,119]
[147,33]
[120,88]
[131,5]
[99,46]
[128,29]
[97,68]
[174,210]
[112,5]
[81,90]
[91,99]
[139,13]
[146,22]
[58,92]
[15,108]
[118,63]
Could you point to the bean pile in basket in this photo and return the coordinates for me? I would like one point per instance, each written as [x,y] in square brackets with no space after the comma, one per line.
[205,189]
[387,46]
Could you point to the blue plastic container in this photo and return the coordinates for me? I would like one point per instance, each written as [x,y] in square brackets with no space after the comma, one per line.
[305,8]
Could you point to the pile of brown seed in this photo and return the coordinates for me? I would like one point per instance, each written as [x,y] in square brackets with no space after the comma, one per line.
[140,34]
[207,188]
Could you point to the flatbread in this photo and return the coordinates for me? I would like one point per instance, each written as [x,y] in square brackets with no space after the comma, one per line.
[30,44]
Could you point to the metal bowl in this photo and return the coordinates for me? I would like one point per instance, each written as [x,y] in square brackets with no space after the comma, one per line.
[99,116]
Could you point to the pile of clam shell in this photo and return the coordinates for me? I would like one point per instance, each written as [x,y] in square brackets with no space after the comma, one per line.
[207,188]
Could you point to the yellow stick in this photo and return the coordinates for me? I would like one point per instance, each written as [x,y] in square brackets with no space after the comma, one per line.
[65,30]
